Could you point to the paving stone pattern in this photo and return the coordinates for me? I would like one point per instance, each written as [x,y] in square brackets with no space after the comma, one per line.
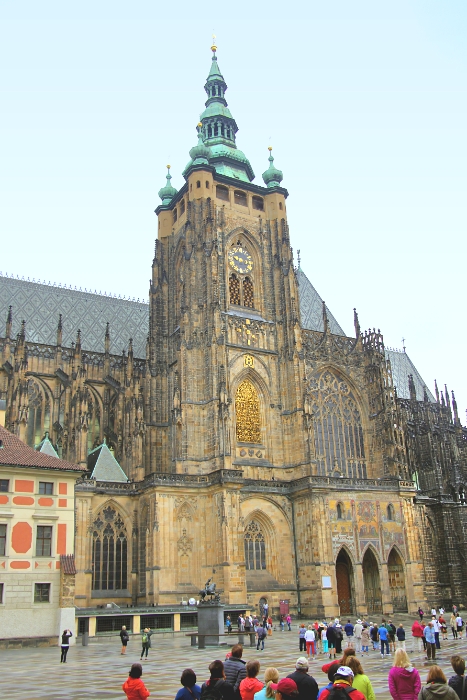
[98,670]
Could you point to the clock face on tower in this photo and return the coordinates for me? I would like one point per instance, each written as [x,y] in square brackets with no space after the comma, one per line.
[240,259]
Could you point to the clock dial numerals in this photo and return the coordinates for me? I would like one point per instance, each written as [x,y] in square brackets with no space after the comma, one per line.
[240,260]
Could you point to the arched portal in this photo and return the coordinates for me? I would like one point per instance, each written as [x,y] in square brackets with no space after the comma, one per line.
[344,578]
[396,576]
[372,583]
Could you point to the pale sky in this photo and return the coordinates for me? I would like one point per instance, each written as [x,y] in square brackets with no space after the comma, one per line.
[364,103]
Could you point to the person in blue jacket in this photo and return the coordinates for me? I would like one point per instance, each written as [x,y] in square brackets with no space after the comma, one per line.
[348,628]
[384,638]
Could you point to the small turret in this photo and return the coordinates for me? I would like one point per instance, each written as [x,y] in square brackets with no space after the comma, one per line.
[9,320]
[272,177]
[454,408]
[59,331]
[356,323]
[436,391]
[200,153]
[168,192]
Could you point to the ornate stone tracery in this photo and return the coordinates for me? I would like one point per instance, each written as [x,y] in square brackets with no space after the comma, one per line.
[247,413]
[337,425]
[255,548]
[109,551]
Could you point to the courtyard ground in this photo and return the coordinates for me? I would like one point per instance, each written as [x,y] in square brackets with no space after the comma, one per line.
[98,670]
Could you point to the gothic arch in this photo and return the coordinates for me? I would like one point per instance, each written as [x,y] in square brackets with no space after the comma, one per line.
[245,371]
[40,410]
[374,552]
[371,570]
[345,581]
[250,375]
[256,287]
[248,423]
[269,542]
[185,511]
[397,580]
[348,552]
[338,424]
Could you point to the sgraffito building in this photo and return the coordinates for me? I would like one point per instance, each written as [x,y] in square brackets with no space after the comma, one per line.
[240,430]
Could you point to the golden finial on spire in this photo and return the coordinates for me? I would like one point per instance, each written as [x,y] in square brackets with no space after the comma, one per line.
[214,47]
[168,167]
[269,148]
[200,124]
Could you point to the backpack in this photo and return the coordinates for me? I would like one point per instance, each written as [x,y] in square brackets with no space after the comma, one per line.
[212,692]
[145,638]
[340,693]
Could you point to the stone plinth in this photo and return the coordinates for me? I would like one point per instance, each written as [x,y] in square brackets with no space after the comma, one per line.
[211,622]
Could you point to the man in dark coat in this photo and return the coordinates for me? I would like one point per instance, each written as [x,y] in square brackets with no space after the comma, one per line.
[234,669]
[306,684]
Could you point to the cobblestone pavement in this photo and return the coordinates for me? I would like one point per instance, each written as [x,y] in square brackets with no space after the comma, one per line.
[98,670]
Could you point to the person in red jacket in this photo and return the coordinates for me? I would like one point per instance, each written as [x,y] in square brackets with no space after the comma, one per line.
[349,651]
[134,687]
[250,685]
[343,679]
[418,638]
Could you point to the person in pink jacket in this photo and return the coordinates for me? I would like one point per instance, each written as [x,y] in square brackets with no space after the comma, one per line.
[404,680]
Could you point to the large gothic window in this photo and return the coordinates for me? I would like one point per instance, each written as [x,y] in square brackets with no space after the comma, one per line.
[247,413]
[255,550]
[109,551]
[234,290]
[338,432]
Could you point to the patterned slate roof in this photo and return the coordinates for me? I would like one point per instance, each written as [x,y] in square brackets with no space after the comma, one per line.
[402,366]
[104,466]
[40,305]
[311,307]
[15,453]
[46,447]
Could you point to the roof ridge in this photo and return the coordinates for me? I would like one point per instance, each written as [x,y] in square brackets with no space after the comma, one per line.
[75,289]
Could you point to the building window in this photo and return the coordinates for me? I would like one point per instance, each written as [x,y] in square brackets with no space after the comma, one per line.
[44,541]
[198,184]
[42,592]
[280,206]
[240,198]
[247,413]
[2,540]
[109,551]
[258,203]
[222,193]
[4,485]
[234,290]
[338,431]
[207,184]
[175,215]
[182,207]
[390,512]
[340,512]
[248,295]
[255,549]
[46,488]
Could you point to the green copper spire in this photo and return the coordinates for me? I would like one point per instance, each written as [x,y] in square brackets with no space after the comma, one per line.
[272,176]
[168,192]
[219,128]
[200,153]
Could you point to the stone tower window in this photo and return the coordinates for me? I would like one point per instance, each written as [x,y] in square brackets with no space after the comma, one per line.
[240,198]
[248,295]
[247,413]
[207,184]
[175,214]
[234,290]
[182,207]
[258,203]
[255,549]
[222,192]
[109,551]
[390,512]
[337,427]
[340,512]
[198,183]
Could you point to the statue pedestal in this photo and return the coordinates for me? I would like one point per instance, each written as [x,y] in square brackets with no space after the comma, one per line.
[211,622]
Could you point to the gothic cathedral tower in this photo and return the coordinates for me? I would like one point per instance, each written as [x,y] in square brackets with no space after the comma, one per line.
[224,334]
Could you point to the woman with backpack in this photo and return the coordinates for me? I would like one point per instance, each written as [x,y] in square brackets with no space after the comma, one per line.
[342,687]
[146,642]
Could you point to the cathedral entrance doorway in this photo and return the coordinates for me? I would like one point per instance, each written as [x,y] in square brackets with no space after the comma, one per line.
[396,576]
[372,583]
[344,578]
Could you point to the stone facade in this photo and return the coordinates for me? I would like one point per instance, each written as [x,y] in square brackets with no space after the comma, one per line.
[279,456]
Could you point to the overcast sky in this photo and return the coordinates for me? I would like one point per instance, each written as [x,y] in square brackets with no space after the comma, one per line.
[364,103]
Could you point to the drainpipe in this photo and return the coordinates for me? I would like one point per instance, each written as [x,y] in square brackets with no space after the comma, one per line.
[297,577]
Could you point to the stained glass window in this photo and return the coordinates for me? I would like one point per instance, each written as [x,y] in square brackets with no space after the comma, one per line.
[247,413]
[338,432]
[109,552]
[255,549]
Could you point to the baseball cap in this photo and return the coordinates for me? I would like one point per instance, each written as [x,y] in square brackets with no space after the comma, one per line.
[301,663]
[344,671]
[286,686]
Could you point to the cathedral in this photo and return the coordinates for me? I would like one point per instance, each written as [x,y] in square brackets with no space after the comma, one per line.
[240,434]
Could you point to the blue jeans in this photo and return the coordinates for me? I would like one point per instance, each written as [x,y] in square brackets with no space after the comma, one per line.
[262,644]
[384,642]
